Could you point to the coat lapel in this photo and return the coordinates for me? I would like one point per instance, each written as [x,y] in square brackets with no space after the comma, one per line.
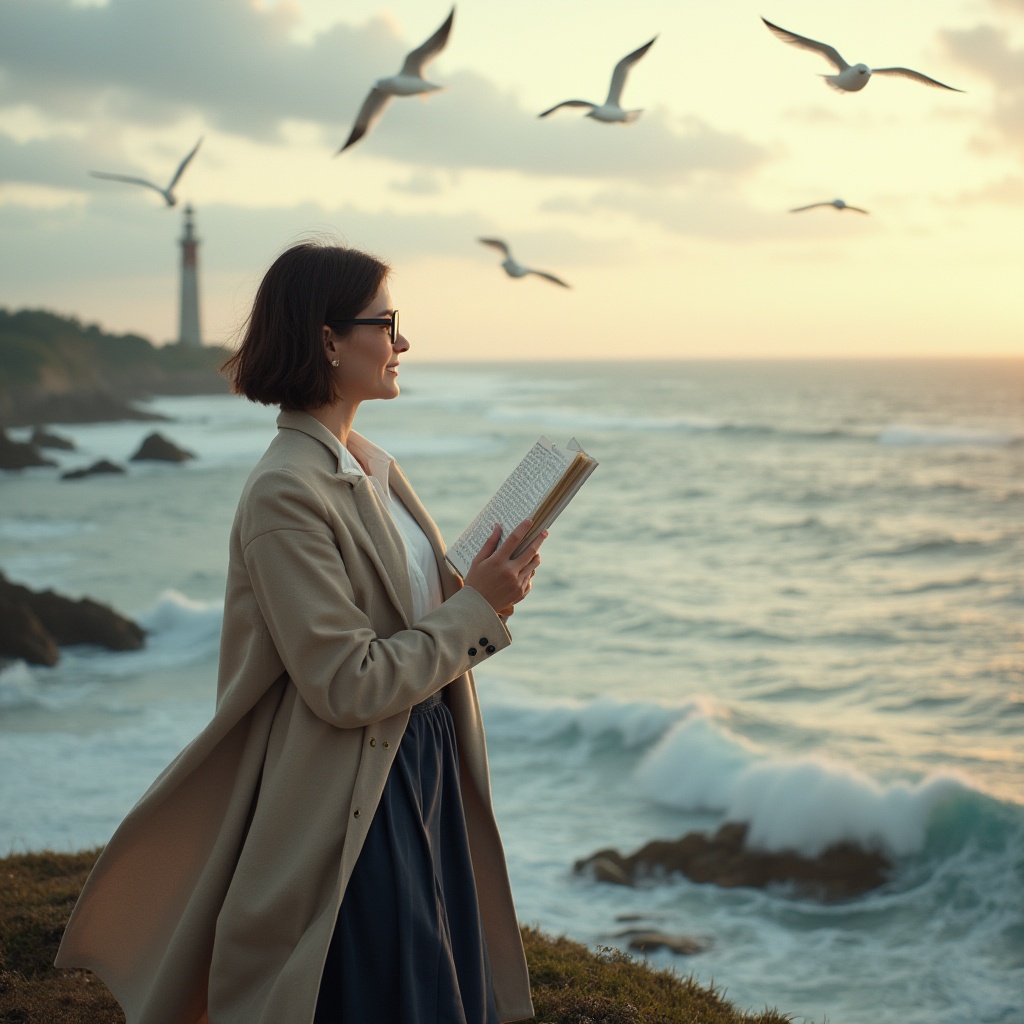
[385,546]
[387,549]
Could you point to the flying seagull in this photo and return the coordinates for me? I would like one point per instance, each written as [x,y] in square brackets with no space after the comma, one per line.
[408,82]
[837,203]
[851,77]
[168,193]
[514,269]
[611,110]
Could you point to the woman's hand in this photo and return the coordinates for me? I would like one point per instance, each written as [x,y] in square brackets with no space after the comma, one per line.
[504,581]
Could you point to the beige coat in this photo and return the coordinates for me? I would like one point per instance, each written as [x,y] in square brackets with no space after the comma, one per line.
[216,898]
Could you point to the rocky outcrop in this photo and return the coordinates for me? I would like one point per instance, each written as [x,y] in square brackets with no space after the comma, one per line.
[650,941]
[19,455]
[33,624]
[96,469]
[43,438]
[840,872]
[158,448]
[24,637]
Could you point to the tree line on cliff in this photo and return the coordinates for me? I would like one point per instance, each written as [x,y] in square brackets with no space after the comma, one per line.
[56,369]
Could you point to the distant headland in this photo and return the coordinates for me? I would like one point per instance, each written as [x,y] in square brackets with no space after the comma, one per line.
[55,369]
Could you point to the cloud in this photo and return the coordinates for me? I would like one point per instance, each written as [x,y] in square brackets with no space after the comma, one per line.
[154,62]
[420,183]
[109,240]
[847,118]
[60,162]
[476,125]
[987,51]
[1007,191]
[1010,6]
[118,264]
[707,214]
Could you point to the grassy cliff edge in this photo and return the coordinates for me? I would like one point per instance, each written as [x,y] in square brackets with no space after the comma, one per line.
[571,984]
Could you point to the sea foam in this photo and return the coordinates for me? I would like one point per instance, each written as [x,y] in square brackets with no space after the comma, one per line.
[179,631]
[19,688]
[22,530]
[948,436]
[804,803]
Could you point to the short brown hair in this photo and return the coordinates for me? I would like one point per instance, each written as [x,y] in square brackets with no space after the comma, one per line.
[281,358]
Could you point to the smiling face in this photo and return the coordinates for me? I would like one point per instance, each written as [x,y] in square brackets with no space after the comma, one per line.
[367,359]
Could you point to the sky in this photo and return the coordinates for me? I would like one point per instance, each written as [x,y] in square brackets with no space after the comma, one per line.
[674,231]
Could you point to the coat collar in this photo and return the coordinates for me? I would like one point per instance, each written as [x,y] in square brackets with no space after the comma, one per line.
[294,419]
[388,547]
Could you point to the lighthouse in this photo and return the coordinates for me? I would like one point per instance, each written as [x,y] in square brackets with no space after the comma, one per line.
[188,332]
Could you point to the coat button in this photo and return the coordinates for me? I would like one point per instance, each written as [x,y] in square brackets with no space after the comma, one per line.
[386,745]
[483,641]
[472,652]
[355,813]
[490,648]
[373,741]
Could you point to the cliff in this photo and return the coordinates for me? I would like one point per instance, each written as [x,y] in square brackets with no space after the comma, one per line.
[55,369]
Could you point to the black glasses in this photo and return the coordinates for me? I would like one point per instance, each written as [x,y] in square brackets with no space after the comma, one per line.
[375,321]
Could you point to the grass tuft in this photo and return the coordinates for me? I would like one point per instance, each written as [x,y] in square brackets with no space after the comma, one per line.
[574,985]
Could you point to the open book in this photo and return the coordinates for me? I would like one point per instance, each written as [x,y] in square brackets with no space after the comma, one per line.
[538,489]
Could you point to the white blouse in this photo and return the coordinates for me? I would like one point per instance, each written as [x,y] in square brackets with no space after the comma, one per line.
[423,572]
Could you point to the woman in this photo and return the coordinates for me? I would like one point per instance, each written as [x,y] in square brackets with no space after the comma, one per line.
[325,849]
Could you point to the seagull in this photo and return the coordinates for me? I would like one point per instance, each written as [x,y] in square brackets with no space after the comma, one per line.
[408,82]
[168,193]
[851,77]
[514,269]
[837,203]
[610,111]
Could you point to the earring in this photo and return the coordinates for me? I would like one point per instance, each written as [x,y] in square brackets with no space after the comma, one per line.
[335,362]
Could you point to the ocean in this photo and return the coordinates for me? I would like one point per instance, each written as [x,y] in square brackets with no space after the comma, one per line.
[792,595]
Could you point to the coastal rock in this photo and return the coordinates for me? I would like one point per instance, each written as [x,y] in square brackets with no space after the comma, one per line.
[159,448]
[35,623]
[23,636]
[43,438]
[607,866]
[20,455]
[96,469]
[840,872]
[651,941]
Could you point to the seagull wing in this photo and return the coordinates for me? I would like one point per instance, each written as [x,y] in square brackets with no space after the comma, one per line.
[416,61]
[620,72]
[184,163]
[812,206]
[568,103]
[916,75]
[369,114]
[549,277]
[856,209]
[131,181]
[830,53]
[496,243]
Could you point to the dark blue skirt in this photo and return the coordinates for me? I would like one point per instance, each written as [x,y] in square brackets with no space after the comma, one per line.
[408,946]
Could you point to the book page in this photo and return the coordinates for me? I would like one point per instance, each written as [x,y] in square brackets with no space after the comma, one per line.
[517,499]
